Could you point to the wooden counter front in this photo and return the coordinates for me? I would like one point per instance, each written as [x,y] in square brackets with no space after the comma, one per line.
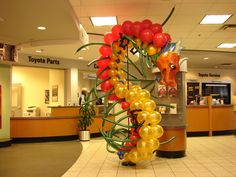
[24,127]
[210,118]
[64,110]
[197,118]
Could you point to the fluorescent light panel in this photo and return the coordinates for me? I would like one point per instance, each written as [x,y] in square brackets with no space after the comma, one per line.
[41,28]
[214,19]
[104,21]
[227,45]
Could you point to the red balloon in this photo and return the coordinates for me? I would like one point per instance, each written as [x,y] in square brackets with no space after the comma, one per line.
[106,86]
[108,38]
[146,35]
[124,105]
[104,75]
[103,63]
[116,31]
[105,51]
[137,28]
[134,136]
[159,40]
[167,37]
[127,28]
[156,28]
[113,97]
[146,24]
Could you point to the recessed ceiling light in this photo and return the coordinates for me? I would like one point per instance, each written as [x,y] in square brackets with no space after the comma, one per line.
[41,28]
[80,58]
[103,21]
[206,58]
[227,45]
[39,51]
[214,19]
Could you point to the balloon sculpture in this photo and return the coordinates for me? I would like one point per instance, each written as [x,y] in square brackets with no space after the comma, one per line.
[137,140]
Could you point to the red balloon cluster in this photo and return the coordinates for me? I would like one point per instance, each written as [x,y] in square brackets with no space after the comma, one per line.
[147,32]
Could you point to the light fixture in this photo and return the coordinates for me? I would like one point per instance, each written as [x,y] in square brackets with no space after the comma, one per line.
[80,58]
[104,21]
[41,28]
[39,51]
[227,45]
[215,19]
[206,58]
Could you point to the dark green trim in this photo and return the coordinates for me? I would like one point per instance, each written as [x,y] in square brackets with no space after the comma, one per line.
[170,154]
[224,132]
[44,139]
[5,143]
[193,134]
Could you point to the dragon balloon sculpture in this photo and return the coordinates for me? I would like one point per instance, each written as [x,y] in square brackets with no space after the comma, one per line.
[137,140]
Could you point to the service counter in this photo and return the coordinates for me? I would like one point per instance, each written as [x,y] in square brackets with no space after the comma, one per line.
[210,119]
[62,122]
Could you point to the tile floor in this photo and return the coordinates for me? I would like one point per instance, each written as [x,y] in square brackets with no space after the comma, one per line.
[206,157]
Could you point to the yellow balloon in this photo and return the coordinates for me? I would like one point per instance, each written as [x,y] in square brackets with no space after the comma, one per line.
[136,105]
[143,94]
[155,117]
[142,116]
[145,132]
[126,156]
[120,91]
[156,131]
[134,156]
[149,105]
[135,88]
[142,146]
[130,96]
[152,144]
[146,155]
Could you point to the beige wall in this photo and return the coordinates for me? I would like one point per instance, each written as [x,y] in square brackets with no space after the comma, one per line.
[34,82]
[5,82]
[225,76]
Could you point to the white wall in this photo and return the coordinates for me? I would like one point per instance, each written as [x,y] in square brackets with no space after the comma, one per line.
[34,82]
[5,82]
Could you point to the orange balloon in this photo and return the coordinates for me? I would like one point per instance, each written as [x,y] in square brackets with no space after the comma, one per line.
[112,72]
[138,41]
[120,74]
[114,80]
[151,50]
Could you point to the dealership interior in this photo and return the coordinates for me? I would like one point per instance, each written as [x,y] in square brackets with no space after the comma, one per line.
[172,60]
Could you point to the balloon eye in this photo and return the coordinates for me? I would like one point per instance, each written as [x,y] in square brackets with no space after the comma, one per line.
[172,66]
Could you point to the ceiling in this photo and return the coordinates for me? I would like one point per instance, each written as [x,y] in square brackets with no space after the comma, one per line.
[19,19]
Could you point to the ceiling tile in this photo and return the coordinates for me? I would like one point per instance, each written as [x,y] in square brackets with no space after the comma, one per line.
[194,9]
[221,34]
[226,8]
[187,20]
[207,28]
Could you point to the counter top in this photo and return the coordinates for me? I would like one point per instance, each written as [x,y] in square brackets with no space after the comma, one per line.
[220,105]
[63,106]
